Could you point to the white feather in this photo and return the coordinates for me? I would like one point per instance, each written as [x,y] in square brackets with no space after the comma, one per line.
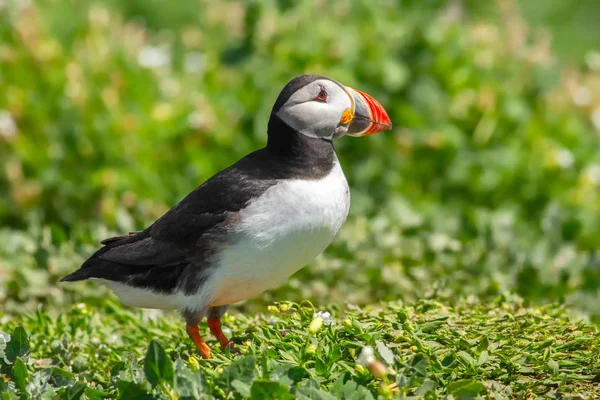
[279,233]
[145,298]
[276,235]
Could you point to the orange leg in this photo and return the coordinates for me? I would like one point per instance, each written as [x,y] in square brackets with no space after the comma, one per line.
[214,324]
[194,333]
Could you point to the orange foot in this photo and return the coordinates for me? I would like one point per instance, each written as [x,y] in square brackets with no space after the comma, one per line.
[214,324]
[194,333]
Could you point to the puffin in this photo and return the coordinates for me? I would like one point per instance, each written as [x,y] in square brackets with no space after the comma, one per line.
[250,226]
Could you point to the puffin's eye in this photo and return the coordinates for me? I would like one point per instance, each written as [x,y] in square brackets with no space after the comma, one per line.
[322,94]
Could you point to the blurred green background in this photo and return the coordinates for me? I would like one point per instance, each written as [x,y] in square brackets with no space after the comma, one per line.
[111,111]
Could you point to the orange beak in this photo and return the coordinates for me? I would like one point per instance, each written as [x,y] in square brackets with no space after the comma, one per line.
[369,116]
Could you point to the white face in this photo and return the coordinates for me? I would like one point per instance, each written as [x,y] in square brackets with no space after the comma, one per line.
[316,110]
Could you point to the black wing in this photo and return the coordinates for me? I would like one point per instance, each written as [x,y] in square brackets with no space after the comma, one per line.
[174,251]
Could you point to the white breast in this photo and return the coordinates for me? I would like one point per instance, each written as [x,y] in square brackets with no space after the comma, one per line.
[279,233]
[276,235]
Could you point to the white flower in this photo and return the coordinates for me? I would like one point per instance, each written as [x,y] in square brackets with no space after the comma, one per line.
[170,87]
[440,242]
[8,126]
[21,4]
[582,96]
[326,316]
[154,57]
[367,356]
[196,120]
[565,158]
[151,314]
[593,60]
[596,118]
[193,62]
[592,173]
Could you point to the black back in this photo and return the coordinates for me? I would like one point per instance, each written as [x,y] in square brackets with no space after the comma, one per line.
[177,251]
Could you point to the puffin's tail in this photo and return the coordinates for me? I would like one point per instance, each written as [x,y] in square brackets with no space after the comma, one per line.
[89,269]
[79,275]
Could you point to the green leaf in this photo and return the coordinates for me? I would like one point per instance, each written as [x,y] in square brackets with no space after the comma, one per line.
[348,389]
[268,390]
[321,367]
[241,387]
[118,367]
[385,353]
[130,391]
[553,365]
[353,391]
[8,393]
[313,393]
[20,374]
[420,363]
[18,345]
[74,392]
[336,353]
[243,369]
[483,357]
[483,344]
[297,373]
[427,386]
[158,367]
[448,361]
[466,389]
[466,359]
[95,394]
[187,383]
[61,378]
[338,386]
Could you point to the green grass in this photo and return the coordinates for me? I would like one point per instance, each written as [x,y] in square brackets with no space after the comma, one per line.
[498,350]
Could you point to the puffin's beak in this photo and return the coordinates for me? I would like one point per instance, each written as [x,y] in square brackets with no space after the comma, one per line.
[369,116]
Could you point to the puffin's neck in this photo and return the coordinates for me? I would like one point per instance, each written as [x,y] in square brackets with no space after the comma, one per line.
[297,148]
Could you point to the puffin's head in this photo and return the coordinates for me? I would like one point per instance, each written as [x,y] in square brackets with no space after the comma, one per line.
[320,107]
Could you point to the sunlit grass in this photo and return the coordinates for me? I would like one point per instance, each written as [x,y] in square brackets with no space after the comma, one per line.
[498,349]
